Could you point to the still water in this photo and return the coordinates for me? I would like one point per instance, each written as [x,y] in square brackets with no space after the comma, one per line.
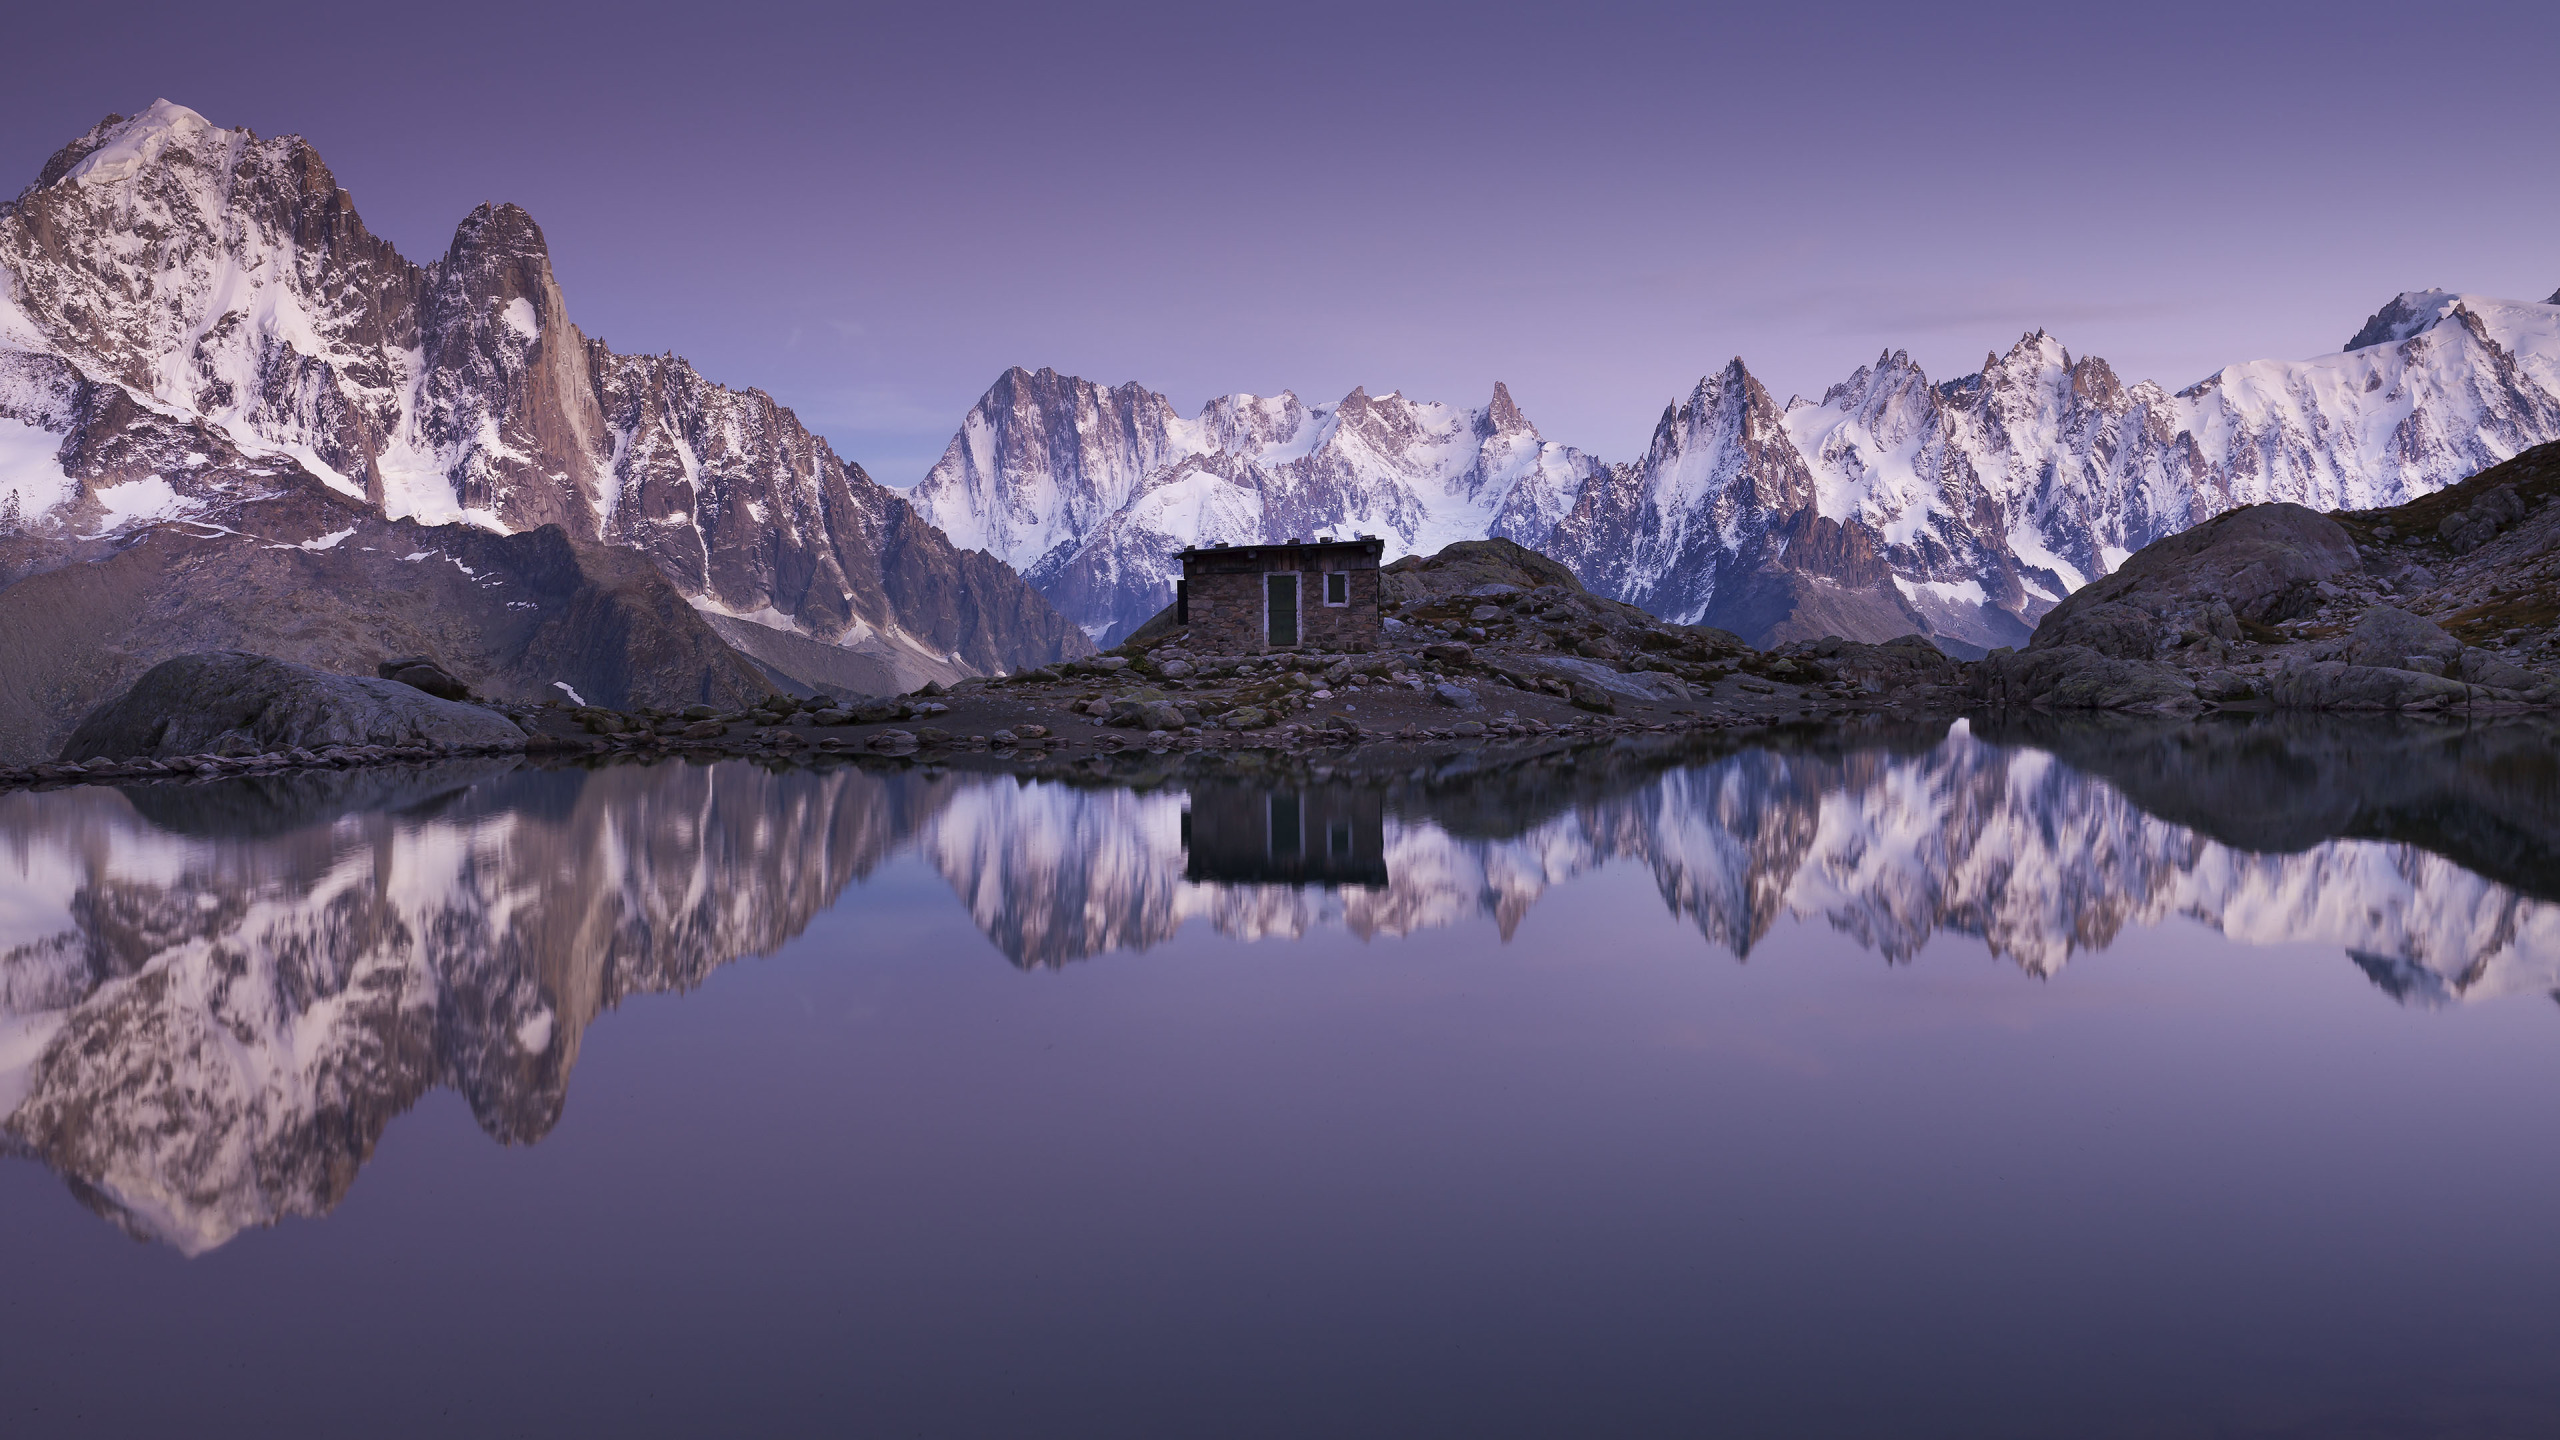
[2138,1081]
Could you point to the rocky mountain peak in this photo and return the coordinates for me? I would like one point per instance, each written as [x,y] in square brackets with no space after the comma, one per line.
[2406,314]
[1501,416]
[1253,425]
[241,334]
[118,148]
[73,153]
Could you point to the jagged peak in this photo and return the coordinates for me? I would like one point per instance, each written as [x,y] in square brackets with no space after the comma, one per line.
[2037,348]
[1501,416]
[2555,298]
[118,148]
[503,227]
[2407,314]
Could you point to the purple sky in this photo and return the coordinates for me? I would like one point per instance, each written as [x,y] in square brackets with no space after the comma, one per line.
[870,211]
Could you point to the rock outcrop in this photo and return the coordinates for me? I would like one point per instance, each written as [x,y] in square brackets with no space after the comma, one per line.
[2449,603]
[230,703]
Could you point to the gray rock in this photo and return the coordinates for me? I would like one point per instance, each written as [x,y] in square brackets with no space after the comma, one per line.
[1175,669]
[1456,696]
[420,673]
[2119,630]
[2225,687]
[1526,671]
[2338,685]
[2394,638]
[2074,677]
[1245,717]
[2265,563]
[1144,710]
[2487,667]
[230,703]
[2475,525]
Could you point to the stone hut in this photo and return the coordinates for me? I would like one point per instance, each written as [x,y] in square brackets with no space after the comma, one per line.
[1320,595]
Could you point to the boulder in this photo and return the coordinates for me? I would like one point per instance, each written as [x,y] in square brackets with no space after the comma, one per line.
[226,702]
[2264,562]
[1907,663]
[1470,567]
[2392,639]
[1144,710]
[420,673]
[2075,677]
[2116,629]
[1525,671]
[2338,685]
[2475,525]
[2487,667]
[1455,696]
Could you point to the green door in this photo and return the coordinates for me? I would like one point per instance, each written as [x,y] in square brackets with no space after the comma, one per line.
[1283,591]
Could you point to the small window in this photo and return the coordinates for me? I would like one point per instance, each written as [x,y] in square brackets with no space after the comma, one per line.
[1337,840]
[1337,587]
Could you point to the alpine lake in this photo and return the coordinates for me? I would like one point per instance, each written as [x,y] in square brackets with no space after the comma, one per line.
[2148,1079]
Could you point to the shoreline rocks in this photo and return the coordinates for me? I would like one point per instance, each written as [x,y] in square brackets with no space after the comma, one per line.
[229,703]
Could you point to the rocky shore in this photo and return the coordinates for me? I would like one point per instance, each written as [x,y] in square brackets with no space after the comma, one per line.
[2444,607]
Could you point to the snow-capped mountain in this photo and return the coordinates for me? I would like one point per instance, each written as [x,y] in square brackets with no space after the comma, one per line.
[1892,504]
[1991,496]
[1092,492]
[214,999]
[192,318]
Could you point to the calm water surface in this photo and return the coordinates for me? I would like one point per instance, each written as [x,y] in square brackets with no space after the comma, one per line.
[2126,1082]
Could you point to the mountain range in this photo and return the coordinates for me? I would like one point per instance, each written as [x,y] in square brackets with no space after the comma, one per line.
[201,344]
[1892,504]
[232,417]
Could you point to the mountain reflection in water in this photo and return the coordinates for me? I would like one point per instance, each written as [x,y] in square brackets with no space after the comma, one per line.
[214,998]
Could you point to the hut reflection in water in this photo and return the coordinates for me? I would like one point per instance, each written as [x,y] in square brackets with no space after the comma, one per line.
[1328,835]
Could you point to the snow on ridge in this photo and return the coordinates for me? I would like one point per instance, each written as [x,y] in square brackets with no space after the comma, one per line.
[138,144]
[1090,491]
